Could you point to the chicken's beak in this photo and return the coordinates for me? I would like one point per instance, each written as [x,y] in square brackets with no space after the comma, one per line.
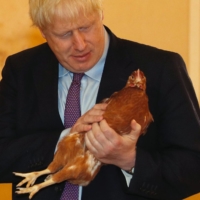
[138,77]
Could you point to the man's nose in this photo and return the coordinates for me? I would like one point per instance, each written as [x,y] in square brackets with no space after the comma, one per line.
[79,41]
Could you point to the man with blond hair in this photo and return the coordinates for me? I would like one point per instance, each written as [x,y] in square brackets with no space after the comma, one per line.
[165,165]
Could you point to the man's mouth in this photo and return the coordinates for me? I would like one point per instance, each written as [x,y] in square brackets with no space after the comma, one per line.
[82,57]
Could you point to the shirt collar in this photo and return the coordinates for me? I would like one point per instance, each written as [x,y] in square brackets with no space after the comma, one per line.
[96,71]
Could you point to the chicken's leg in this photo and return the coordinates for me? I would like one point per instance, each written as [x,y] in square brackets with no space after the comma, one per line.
[30,178]
[34,189]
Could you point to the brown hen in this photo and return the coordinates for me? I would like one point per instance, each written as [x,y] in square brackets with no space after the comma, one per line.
[73,161]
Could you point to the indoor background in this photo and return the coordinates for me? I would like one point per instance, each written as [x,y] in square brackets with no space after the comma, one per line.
[172,25]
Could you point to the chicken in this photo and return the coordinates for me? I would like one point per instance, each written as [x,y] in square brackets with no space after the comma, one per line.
[129,103]
[73,161]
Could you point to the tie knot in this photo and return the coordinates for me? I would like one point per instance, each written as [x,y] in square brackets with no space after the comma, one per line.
[77,77]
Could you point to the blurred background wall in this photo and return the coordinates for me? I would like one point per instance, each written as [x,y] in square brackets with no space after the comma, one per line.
[168,24]
[16,32]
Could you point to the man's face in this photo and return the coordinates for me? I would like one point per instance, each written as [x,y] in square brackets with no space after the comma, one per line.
[78,46]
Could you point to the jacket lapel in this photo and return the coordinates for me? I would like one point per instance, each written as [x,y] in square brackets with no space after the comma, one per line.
[118,67]
[46,84]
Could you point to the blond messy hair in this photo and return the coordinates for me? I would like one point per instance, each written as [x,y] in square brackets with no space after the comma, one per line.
[42,12]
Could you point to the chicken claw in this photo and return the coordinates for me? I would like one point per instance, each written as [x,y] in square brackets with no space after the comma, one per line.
[31,190]
[30,178]
[34,189]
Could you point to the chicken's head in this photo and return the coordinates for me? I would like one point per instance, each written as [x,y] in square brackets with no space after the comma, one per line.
[137,79]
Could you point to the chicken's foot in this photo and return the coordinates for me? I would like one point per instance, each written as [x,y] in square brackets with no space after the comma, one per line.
[31,177]
[34,189]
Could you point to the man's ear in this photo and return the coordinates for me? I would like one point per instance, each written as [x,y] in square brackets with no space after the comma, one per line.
[102,16]
[42,33]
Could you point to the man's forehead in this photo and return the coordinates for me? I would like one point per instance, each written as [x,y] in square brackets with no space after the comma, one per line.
[64,23]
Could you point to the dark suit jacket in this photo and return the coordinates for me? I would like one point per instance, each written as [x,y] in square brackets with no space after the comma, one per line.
[168,156]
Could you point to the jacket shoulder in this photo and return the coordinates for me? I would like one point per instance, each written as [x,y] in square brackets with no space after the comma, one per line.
[34,59]
[31,52]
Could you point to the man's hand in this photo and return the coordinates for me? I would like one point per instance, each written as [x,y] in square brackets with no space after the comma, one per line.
[112,148]
[84,123]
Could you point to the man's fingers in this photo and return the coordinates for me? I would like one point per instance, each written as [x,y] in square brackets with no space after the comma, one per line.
[90,144]
[90,119]
[92,116]
[81,128]
[100,106]
[135,126]
[136,130]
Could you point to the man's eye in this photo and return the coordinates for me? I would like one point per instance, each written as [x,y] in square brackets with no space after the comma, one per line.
[65,35]
[84,28]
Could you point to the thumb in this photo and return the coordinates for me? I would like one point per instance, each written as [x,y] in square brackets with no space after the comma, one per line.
[136,129]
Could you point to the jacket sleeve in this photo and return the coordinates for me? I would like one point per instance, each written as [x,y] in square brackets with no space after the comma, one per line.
[23,147]
[170,170]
